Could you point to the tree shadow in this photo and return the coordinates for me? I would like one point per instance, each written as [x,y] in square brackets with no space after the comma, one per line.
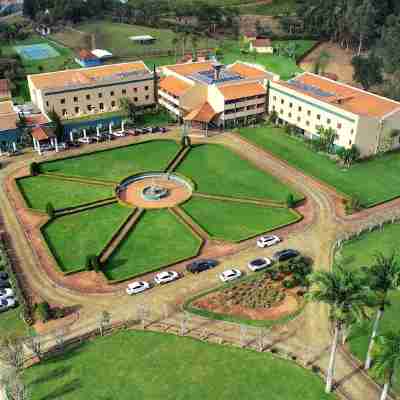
[53,374]
[115,264]
[66,388]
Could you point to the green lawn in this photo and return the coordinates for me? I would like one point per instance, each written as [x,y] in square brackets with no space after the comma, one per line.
[283,66]
[361,251]
[276,7]
[372,181]
[39,190]
[157,240]
[147,365]
[217,170]
[73,237]
[11,323]
[116,164]
[115,38]
[234,221]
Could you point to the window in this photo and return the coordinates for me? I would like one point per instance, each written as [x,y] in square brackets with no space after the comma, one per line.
[112,93]
[113,103]
[282,101]
[135,99]
[101,106]
[290,115]
[135,89]
[308,112]
[290,105]
[339,125]
[350,142]
[89,107]
[88,97]
[298,119]
[328,121]
[100,95]
[352,131]
[77,110]
[62,101]
[75,99]
[274,98]
[318,116]
[47,103]
[64,112]
[147,97]
[123,91]
[308,123]
[146,88]
[281,111]
[300,109]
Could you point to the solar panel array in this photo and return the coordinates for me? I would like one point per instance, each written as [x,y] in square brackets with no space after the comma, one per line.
[310,89]
[208,76]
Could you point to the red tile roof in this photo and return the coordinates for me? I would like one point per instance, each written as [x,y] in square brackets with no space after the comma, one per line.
[343,96]
[86,55]
[205,113]
[173,85]
[41,133]
[239,90]
[248,71]
[190,68]
[262,42]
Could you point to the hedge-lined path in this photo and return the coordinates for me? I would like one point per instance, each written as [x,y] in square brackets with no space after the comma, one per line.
[266,203]
[84,207]
[315,236]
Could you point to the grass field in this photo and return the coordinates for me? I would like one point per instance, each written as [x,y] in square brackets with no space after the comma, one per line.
[11,323]
[157,240]
[156,366]
[39,190]
[115,38]
[73,237]
[372,181]
[283,66]
[116,164]
[217,170]
[236,221]
[361,251]
[276,7]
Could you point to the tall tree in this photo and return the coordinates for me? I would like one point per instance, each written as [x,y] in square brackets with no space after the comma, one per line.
[347,296]
[367,70]
[30,8]
[383,276]
[387,359]
[390,40]
[364,23]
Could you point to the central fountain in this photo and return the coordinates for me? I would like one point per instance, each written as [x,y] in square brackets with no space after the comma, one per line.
[154,193]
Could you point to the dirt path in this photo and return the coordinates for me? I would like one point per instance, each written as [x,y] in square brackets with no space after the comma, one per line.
[307,335]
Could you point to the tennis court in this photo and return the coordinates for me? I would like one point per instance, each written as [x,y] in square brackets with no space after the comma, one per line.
[39,51]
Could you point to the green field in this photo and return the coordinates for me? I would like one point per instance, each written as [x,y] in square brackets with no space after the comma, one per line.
[39,190]
[372,181]
[361,253]
[146,365]
[276,7]
[12,324]
[283,66]
[73,237]
[157,240]
[116,164]
[217,170]
[236,221]
[115,38]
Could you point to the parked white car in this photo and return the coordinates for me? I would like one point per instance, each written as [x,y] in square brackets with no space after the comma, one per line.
[5,304]
[267,241]
[165,277]
[6,292]
[85,140]
[259,263]
[118,134]
[137,287]
[230,275]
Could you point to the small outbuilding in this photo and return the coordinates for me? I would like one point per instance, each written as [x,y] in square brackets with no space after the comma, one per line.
[143,39]
[102,54]
[262,45]
[86,58]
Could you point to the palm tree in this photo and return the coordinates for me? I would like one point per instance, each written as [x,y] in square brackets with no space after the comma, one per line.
[387,359]
[175,41]
[383,276]
[344,291]
[348,156]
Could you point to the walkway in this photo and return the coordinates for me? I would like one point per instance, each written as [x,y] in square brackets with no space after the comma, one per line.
[307,335]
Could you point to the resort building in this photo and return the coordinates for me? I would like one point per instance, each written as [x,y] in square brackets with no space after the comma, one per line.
[360,118]
[210,95]
[92,91]
[9,132]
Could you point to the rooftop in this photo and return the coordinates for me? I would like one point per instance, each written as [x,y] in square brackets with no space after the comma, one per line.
[348,98]
[240,90]
[86,55]
[205,113]
[250,71]
[210,76]
[190,68]
[140,38]
[174,85]
[262,42]
[42,133]
[5,89]
[8,117]
[87,76]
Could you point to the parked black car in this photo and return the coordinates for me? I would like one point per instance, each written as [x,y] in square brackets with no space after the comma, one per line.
[4,284]
[201,265]
[284,255]
[3,276]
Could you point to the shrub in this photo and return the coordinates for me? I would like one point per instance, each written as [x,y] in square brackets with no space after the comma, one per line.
[50,210]
[34,169]
[44,311]
[290,283]
[353,205]
[92,263]
[290,201]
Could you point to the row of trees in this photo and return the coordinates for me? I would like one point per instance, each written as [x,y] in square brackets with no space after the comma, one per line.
[351,296]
